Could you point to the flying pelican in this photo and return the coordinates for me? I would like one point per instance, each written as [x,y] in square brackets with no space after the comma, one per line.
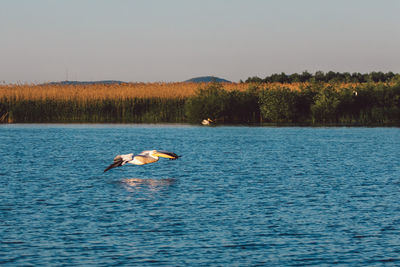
[145,157]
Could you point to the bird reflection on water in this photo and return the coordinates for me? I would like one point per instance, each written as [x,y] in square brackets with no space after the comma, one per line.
[153,185]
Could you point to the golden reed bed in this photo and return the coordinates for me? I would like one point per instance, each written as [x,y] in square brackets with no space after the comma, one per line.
[122,91]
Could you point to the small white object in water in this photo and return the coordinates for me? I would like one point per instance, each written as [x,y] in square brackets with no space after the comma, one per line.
[206,122]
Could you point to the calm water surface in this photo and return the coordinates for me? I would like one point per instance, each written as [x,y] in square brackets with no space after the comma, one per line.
[238,196]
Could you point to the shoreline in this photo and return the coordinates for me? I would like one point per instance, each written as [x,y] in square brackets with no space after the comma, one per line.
[175,124]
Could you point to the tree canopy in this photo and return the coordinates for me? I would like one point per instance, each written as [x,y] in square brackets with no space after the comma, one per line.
[329,76]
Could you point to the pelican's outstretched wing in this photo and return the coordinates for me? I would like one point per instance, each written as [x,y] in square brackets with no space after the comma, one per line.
[166,154]
[120,160]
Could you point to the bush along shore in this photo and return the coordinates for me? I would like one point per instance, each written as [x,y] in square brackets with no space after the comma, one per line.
[310,103]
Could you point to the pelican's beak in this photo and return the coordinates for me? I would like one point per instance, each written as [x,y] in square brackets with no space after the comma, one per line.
[164,156]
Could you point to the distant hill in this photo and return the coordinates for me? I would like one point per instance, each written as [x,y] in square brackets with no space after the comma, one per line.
[207,79]
[86,82]
[203,79]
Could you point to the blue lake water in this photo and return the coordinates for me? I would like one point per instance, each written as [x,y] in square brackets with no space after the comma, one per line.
[238,196]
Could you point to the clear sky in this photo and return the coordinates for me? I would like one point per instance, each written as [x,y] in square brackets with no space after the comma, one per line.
[174,40]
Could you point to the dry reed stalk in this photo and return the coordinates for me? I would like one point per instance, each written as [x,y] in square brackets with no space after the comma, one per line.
[102,91]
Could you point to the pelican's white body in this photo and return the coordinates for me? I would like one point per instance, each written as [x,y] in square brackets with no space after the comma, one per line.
[147,154]
[135,162]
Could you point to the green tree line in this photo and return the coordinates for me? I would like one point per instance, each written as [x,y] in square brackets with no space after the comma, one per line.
[313,104]
[320,76]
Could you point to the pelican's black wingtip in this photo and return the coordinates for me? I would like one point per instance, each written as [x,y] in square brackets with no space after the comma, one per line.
[108,168]
[175,157]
